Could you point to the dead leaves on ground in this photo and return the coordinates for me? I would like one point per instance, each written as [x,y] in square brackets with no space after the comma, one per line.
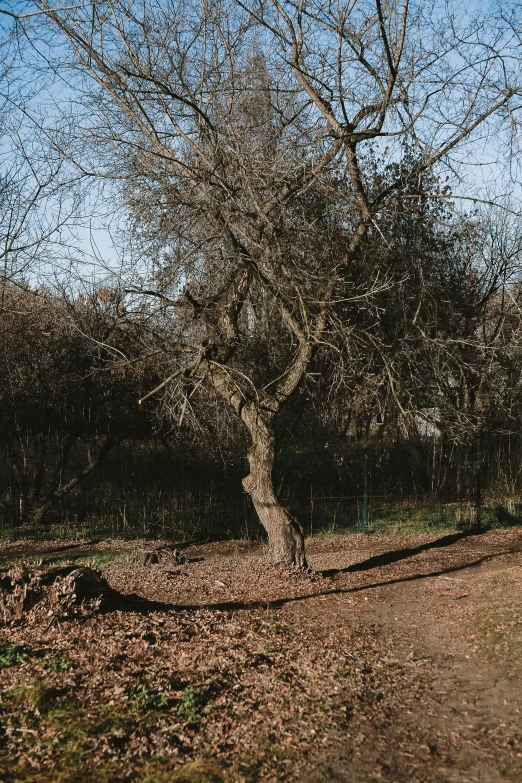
[125,695]
[215,689]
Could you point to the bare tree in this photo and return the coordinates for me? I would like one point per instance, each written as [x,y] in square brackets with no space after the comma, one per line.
[240,131]
[36,205]
[67,397]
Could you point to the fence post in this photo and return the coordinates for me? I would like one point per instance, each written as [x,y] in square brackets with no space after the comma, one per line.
[365,501]
[311,510]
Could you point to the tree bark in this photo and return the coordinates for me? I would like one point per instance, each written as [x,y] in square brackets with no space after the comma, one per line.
[285,534]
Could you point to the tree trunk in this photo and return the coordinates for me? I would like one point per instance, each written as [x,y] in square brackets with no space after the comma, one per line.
[38,514]
[285,535]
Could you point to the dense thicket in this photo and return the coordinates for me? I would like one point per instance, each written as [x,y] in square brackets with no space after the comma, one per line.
[78,449]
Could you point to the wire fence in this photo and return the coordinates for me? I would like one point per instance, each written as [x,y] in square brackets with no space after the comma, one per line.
[376,488]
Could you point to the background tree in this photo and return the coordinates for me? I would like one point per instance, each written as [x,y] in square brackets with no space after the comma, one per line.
[67,398]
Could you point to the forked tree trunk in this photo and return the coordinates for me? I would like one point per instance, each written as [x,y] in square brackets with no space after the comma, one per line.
[285,535]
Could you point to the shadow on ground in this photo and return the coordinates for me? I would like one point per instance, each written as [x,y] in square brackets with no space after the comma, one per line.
[135,603]
[395,555]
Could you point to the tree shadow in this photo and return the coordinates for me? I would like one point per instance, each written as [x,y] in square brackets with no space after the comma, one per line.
[43,553]
[81,545]
[195,542]
[395,555]
[140,605]
[48,555]
[506,518]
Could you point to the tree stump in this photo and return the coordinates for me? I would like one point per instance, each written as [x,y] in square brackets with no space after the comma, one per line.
[84,584]
[150,557]
[24,586]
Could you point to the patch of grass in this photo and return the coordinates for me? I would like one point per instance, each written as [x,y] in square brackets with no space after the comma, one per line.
[409,519]
[80,774]
[417,519]
[113,717]
[193,704]
[12,654]
[72,732]
[247,771]
[40,696]
[149,699]
[102,560]
[200,771]
[58,665]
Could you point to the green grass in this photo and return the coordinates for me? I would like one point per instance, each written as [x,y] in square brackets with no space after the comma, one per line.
[422,519]
[102,560]
[77,728]
[409,519]
[194,772]
[194,704]
[11,654]
[149,699]
[42,697]
[58,665]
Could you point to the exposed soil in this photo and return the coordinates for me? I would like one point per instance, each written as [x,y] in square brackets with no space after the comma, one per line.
[453,619]
[396,660]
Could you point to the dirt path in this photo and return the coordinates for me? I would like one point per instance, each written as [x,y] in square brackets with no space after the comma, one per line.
[457,637]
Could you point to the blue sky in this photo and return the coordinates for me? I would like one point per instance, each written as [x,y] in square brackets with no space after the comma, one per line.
[97,238]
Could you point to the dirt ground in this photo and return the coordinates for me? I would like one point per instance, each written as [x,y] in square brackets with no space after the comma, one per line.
[397,658]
